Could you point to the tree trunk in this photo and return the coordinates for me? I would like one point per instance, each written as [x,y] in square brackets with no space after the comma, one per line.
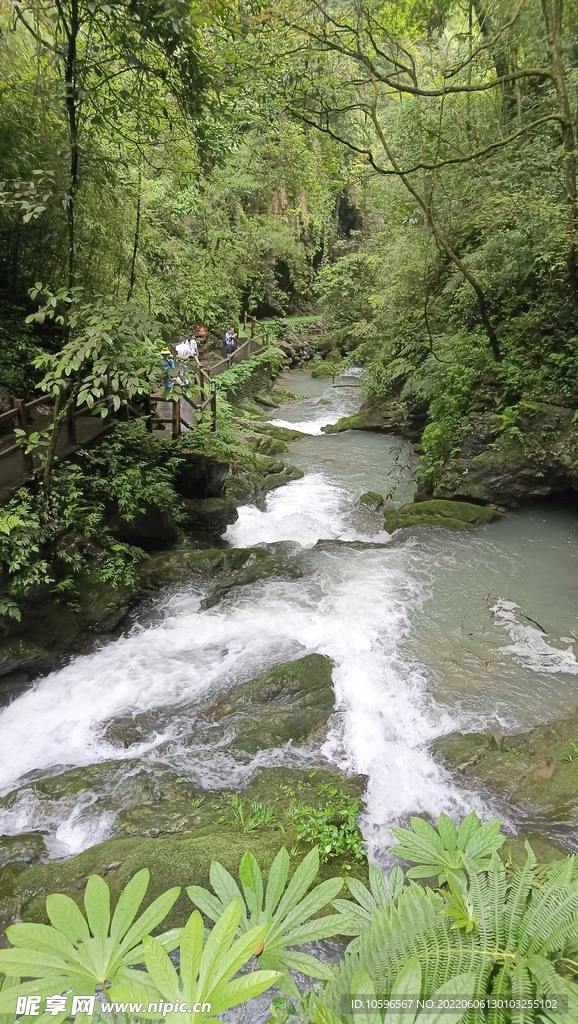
[136,233]
[553,18]
[499,57]
[60,411]
[72,30]
[442,240]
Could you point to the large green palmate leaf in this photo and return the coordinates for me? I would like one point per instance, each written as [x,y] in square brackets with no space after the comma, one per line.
[444,852]
[207,984]
[284,906]
[83,955]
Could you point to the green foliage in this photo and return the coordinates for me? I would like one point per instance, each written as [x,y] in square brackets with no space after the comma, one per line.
[97,954]
[207,970]
[17,353]
[110,354]
[445,852]
[79,953]
[522,929]
[249,816]
[345,289]
[134,470]
[284,907]
[405,989]
[366,902]
[234,378]
[331,826]
[52,542]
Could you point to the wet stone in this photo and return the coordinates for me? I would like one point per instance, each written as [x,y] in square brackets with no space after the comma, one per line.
[26,848]
[290,703]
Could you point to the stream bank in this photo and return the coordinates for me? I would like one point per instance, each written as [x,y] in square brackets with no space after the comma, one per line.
[508,460]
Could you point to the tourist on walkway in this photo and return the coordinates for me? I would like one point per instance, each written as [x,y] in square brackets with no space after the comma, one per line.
[169,368]
[230,343]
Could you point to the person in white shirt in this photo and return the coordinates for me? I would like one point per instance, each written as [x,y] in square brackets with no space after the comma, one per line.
[193,349]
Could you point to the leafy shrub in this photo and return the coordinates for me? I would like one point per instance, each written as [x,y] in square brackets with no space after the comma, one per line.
[445,852]
[523,933]
[331,826]
[285,908]
[134,469]
[18,349]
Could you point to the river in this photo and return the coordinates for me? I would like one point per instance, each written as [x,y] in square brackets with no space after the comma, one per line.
[429,632]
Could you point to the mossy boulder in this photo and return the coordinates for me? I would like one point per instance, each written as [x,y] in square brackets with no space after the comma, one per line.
[220,569]
[212,833]
[48,628]
[324,369]
[263,443]
[250,482]
[209,516]
[453,515]
[372,499]
[384,416]
[283,476]
[518,462]
[288,703]
[281,433]
[536,771]
[26,848]
[333,356]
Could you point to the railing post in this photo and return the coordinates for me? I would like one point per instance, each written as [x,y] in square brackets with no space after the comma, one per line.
[213,407]
[245,318]
[205,391]
[148,413]
[253,321]
[176,418]
[71,425]
[20,406]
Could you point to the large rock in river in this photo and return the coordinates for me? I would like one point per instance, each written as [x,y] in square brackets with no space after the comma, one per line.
[210,830]
[290,702]
[513,463]
[536,771]
[454,515]
[385,416]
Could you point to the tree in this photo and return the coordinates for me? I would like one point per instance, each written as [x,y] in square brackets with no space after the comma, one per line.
[109,356]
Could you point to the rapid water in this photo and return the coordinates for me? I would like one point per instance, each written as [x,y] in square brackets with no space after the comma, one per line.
[428,633]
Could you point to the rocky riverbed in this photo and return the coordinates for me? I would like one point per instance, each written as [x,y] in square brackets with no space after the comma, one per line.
[306,647]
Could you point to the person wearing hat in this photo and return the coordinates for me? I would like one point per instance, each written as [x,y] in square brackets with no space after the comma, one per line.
[169,367]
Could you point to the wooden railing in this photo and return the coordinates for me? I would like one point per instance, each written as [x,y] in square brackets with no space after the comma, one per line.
[255,344]
[197,407]
[186,411]
[19,416]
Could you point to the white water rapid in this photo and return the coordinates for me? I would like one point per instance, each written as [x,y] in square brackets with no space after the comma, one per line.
[417,650]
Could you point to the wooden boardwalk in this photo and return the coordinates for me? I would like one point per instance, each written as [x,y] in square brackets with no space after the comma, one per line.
[199,406]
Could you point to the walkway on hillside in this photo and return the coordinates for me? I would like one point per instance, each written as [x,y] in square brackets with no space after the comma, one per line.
[83,426]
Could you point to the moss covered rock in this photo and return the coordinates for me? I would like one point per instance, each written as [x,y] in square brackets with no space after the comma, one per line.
[536,771]
[372,499]
[282,433]
[384,416]
[454,515]
[210,516]
[324,369]
[512,463]
[289,703]
[283,476]
[212,833]
[220,569]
